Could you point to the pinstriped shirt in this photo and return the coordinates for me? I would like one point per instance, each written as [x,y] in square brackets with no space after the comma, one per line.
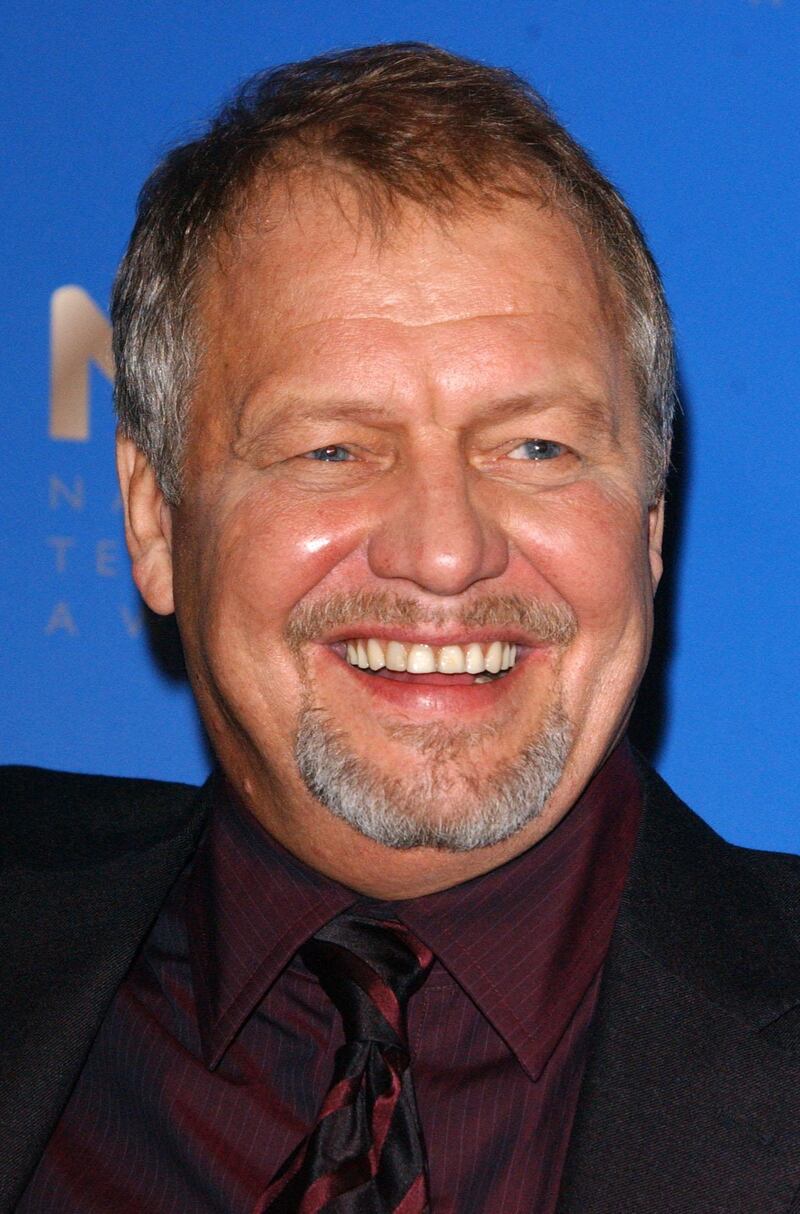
[217,1049]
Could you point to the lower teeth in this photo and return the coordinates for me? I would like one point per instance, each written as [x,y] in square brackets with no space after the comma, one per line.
[479,678]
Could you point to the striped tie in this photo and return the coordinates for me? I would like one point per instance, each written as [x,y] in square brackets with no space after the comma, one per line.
[365,1153]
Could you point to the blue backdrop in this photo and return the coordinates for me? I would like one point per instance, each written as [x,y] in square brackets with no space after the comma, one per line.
[691,106]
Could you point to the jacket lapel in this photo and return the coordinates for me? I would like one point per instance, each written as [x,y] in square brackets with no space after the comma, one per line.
[691,1098]
[72,922]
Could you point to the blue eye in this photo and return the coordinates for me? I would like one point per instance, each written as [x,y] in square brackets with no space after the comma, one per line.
[537,449]
[331,455]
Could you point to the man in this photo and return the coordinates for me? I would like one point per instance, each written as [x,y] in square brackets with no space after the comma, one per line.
[395,388]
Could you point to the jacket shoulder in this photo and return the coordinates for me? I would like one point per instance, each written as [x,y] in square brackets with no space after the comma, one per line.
[680,825]
[56,818]
[726,917]
[87,862]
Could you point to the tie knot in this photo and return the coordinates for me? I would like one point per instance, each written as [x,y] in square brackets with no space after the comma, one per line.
[369,968]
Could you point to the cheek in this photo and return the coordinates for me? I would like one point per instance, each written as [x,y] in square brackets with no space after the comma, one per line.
[269,553]
[590,546]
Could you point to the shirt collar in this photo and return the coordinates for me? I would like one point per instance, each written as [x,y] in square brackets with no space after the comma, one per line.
[524,940]
[250,906]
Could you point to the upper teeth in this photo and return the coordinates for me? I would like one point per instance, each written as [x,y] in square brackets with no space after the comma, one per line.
[373,654]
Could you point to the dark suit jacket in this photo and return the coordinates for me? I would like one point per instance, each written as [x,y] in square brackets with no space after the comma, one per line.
[691,1099]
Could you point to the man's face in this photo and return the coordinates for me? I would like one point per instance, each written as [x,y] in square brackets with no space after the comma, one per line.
[419,450]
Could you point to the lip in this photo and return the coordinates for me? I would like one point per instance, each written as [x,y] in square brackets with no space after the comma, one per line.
[430,695]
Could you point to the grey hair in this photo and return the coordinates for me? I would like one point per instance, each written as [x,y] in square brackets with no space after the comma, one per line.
[404,121]
[389,811]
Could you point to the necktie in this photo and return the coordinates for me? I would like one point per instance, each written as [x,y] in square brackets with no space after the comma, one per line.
[365,1153]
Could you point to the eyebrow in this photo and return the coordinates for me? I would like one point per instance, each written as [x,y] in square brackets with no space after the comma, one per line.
[293,406]
[589,405]
[297,407]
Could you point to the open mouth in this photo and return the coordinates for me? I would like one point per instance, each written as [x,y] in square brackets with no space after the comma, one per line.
[471,663]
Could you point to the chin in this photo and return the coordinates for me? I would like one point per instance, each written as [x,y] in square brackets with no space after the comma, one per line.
[437,801]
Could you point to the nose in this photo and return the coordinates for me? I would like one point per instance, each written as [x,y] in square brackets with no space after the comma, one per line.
[438,529]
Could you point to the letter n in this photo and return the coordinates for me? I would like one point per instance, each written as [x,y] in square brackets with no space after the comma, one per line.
[79,334]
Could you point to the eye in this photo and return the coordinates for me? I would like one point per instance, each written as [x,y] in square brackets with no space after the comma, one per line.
[538,449]
[332,454]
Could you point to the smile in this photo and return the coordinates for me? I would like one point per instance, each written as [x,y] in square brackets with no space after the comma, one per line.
[485,661]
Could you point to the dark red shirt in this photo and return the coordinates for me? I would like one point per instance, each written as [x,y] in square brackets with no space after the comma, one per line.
[217,1049]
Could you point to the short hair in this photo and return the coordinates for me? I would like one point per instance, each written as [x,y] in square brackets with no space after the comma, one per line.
[404,122]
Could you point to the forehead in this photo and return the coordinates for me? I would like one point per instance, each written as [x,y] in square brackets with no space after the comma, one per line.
[307,291]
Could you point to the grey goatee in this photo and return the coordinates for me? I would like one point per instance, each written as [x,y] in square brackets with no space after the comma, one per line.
[479,811]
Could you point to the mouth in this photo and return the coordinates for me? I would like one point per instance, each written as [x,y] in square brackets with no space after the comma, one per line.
[449,664]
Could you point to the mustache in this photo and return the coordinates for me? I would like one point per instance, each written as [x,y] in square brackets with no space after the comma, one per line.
[547,623]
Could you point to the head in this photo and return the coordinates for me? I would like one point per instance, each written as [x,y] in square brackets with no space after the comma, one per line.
[395,387]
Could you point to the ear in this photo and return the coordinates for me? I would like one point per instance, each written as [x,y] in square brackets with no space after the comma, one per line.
[148,527]
[655,530]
